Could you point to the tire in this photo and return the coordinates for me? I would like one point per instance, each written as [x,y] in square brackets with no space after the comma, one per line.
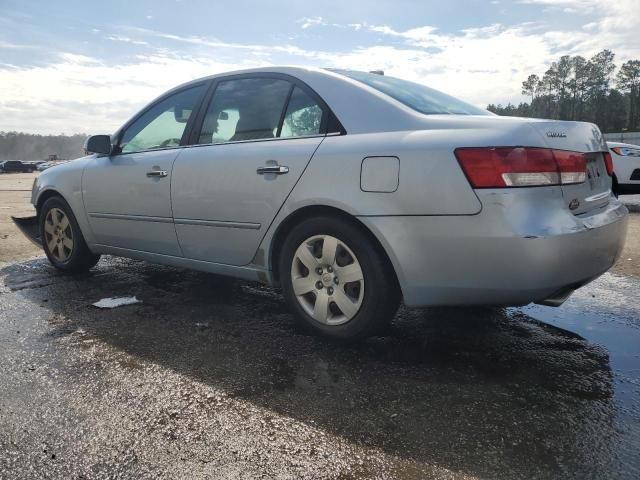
[373,292]
[62,240]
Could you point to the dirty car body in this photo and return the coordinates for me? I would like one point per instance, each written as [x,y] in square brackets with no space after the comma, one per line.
[465,207]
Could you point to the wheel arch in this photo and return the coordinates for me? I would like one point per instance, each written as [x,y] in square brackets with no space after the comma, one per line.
[46,195]
[314,211]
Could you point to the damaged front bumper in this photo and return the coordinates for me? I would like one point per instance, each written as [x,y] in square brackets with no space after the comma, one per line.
[30,228]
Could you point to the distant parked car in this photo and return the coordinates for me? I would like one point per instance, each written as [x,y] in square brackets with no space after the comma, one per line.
[9,166]
[45,165]
[350,190]
[626,167]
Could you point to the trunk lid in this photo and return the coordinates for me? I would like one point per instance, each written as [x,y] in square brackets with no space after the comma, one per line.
[586,138]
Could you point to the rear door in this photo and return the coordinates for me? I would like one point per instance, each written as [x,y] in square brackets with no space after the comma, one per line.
[256,138]
[128,195]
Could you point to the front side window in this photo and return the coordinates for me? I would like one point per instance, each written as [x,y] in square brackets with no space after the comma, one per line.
[303,116]
[419,97]
[163,124]
[244,109]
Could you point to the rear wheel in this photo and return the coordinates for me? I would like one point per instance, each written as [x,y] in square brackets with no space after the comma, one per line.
[336,279]
[62,239]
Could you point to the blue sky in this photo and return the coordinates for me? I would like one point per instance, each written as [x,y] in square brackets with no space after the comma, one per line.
[85,66]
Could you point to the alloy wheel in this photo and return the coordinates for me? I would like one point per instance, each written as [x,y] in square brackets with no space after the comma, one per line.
[58,234]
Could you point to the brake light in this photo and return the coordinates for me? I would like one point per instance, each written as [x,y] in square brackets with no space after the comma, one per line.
[521,166]
[572,166]
[608,161]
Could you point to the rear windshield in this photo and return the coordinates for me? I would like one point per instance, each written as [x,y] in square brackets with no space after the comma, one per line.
[423,99]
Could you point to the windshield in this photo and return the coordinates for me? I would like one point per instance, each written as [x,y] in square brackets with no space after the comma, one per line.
[423,99]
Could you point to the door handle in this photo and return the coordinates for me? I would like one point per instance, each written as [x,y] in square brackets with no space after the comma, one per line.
[157,173]
[276,169]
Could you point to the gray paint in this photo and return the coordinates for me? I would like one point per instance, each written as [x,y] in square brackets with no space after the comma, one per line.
[220,183]
[448,243]
[380,174]
[117,187]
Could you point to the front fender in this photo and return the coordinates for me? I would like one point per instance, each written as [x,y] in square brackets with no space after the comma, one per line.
[66,181]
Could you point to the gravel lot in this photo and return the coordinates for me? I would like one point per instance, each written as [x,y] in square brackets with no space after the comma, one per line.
[209,378]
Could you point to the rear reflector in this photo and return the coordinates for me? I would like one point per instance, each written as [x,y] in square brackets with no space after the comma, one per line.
[608,161]
[521,166]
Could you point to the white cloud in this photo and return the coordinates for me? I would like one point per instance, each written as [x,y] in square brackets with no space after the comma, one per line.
[219,44]
[307,22]
[482,64]
[584,6]
[14,46]
[80,94]
[122,38]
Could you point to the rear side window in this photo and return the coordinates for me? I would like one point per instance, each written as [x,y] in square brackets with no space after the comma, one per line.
[245,109]
[419,97]
[303,116]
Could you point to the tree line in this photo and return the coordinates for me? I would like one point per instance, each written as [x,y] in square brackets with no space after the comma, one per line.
[575,88]
[27,146]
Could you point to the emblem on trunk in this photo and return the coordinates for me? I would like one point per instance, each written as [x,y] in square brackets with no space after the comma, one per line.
[574,204]
[554,134]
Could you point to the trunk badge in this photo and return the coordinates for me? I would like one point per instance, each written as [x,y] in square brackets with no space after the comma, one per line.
[574,204]
[552,134]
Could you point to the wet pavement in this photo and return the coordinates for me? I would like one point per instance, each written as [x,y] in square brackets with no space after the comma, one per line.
[632,202]
[210,378]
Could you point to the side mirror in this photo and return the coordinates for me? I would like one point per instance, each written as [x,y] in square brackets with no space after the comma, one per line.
[100,144]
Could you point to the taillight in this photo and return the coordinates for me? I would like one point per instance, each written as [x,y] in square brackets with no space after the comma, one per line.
[521,166]
[572,166]
[608,161]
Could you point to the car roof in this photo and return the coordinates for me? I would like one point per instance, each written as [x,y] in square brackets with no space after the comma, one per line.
[360,108]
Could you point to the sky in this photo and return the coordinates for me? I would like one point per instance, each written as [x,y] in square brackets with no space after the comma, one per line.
[87,66]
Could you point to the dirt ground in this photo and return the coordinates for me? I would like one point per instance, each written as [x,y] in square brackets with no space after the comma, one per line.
[210,377]
[15,192]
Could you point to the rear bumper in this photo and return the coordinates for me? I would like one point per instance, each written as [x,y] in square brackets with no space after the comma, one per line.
[30,228]
[512,253]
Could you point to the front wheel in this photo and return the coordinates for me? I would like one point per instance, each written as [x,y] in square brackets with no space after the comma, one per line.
[62,239]
[337,280]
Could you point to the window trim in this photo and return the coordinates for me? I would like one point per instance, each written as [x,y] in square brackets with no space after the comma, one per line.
[285,107]
[187,129]
[327,113]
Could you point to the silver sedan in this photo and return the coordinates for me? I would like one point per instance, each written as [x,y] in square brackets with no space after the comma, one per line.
[350,190]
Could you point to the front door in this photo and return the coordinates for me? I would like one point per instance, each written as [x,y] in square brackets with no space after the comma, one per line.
[128,195]
[257,137]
